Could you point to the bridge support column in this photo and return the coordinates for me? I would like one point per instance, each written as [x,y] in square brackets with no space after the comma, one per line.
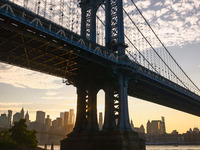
[92,109]
[81,121]
[109,120]
[124,122]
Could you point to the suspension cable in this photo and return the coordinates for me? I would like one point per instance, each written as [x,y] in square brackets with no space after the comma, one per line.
[151,46]
[163,45]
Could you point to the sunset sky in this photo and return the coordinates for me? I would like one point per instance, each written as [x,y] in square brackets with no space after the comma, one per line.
[177,23]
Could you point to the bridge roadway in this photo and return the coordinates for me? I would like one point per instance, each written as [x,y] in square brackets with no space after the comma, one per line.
[33,42]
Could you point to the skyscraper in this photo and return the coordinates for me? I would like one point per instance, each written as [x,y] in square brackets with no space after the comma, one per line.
[40,116]
[3,121]
[156,127]
[72,116]
[9,119]
[16,117]
[66,118]
[60,122]
[162,127]
[62,114]
[22,113]
[27,118]
[48,121]
[54,124]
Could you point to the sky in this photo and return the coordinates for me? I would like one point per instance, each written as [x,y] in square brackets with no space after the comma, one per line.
[176,23]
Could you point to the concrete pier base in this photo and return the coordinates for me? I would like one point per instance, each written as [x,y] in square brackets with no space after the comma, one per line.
[115,140]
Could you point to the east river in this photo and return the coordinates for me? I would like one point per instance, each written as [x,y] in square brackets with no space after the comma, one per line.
[152,147]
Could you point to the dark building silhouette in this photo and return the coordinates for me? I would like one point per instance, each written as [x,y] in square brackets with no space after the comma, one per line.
[40,117]
[156,127]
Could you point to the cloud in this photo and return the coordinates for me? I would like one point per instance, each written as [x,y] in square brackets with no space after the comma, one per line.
[58,98]
[23,78]
[143,4]
[50,93]
[53,98]
[176,23]
[158,4]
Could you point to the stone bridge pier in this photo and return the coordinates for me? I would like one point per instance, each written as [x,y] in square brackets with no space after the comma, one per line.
[116,133]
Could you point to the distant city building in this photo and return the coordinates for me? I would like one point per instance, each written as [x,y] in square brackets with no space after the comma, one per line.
[9,119]
[136,129]
[195,130]
[54,124]
[72,116]
[100,120]
[40,117]
[48,121]
[66,118]
[192,136]
[22,113]
[62,115]
[162,127]
[3,121]
[19,115]
[60,121]
[174,132]
[27,118]
[156,127]
[16,117]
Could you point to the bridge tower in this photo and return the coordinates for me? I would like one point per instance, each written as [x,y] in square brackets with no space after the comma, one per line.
[117,133]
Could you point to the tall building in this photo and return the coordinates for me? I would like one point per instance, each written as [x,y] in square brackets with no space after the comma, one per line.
[100,120]
[62,115]
[156,127]
[19,115]
[60,122]
[3,121]
[40,116]
[16,117]
[27,118]
[72,116]
[162,126]
[54,124]
[48,121]
[66,118]
[9,119]
[22,113]
[148,127]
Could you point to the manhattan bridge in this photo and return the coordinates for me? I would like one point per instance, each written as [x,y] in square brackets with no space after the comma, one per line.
[94,45]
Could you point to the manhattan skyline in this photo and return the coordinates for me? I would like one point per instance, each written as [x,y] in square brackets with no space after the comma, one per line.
[178,26]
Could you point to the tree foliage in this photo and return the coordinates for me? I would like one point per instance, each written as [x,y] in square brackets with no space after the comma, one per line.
[6,141]
[19,135]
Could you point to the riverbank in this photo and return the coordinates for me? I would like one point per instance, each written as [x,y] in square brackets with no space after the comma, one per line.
[185,143]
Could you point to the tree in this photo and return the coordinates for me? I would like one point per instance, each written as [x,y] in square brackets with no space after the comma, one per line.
[5,141]
[22,136]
